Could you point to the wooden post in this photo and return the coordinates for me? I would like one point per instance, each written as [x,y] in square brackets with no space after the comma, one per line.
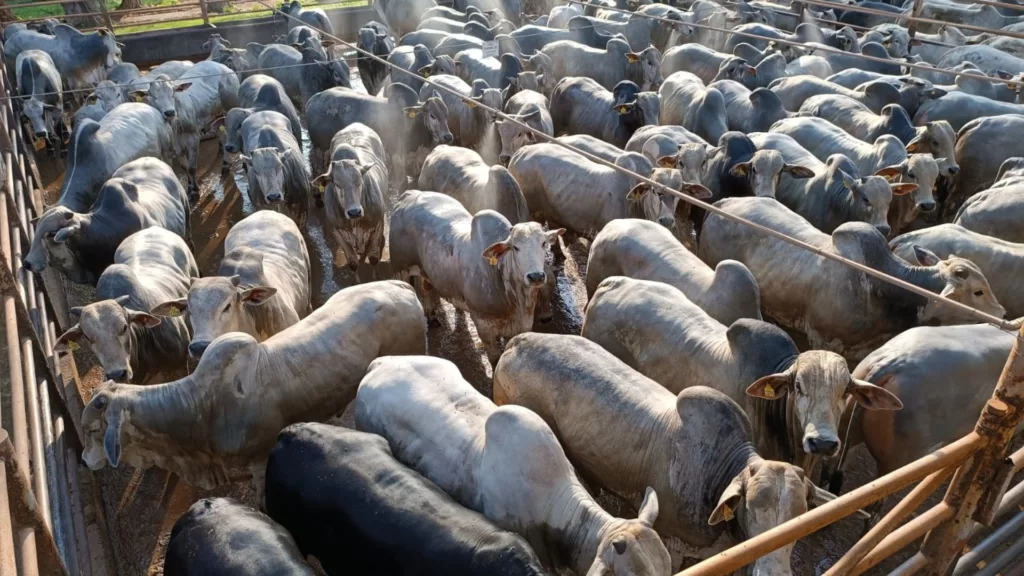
[106,15]
[969,492]
[205,12]
[915,12]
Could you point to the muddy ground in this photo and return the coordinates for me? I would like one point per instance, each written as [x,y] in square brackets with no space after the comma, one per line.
[142,506]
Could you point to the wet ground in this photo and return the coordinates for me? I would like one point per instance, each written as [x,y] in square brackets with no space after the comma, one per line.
[142,506]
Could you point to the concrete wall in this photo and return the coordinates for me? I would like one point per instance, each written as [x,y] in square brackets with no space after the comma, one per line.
[146,48]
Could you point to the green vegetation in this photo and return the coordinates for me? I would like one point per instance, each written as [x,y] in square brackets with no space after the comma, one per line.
[24,9]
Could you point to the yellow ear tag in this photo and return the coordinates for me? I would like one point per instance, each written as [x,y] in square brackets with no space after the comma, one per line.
[769,392]
[727,513]
[73,346]
[222,128]
[173,312]
[492,260]
[623,109]
[39,144]
[411,114]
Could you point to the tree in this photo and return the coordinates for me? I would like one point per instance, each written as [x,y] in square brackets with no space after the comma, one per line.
[130,5]
[6,14]
[84,7]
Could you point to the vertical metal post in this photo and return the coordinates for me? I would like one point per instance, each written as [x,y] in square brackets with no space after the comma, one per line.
[915,13]
[971,485]
[78,511]
[66,504]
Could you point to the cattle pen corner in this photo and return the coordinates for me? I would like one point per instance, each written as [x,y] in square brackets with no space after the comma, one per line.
[52,519]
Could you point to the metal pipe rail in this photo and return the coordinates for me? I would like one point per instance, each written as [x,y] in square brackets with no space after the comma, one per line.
[40,474]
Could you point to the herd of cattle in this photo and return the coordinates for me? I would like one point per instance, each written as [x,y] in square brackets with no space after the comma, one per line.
[679,397]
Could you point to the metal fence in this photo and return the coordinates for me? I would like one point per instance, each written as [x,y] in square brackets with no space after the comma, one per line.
[42,525]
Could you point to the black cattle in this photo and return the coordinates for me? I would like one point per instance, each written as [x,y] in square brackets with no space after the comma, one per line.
[221,537]
[348,502]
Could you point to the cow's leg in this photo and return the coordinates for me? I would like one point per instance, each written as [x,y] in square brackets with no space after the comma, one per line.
[259,483]
[375,251]
[344,250]
[192,160]
[543,312]
[431,301]
[489,337]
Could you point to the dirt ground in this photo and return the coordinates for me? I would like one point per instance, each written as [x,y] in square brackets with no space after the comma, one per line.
[142,506]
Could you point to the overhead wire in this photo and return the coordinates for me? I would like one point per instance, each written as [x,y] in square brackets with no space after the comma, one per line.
[1007,325]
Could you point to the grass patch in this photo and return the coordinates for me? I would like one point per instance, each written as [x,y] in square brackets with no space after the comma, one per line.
[220,18]
[24,9]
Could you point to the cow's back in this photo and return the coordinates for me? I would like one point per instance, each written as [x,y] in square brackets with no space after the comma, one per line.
[285,257]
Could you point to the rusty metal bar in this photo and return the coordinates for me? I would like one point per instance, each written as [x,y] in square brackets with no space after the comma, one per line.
[78,513]
[55,517]
[919,494]
[904,535]
[916,13]
[106,14]
[921,19]
[968,562]
[752,549]
[30,522]
[976,489]
[204,11]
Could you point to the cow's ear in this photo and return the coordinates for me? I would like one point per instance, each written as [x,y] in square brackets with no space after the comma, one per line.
[552,234]
[144,319]
[91,98]
[903,188]
[667,161]
[68,341]
[729,502]
[772,386]
[873,397]
[740,170]
[322,180]
[925,257]
[258,295]
[367,168]
[412,111]
[637,192]
[495,251]
[798,171]
[112,439]
[632,57]
[891,172]
[66,233]
[183,86]
[649,508]
[171,309]
[698,191]
[915,144]
[137,95]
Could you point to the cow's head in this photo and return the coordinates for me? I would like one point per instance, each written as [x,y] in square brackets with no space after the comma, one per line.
[938,139]
[690,159]
[817,384]
[161,94]
[108,325]
[111,46]
[963,282]
[233,129]
[433,113]
[57,233]
[522,256]
[40,115]
[632,547]
[869,198]
[266,166]
[346,182]
[764,169]
[217,305]
[513,136]
[920,169]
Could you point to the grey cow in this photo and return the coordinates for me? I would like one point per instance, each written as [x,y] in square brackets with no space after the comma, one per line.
[138,130]
[40,91]
[749,111]
[405,125]
[304,73]
[1002,262]
[794,91]
[355,186]
[564,187]
[106,96]
[463,175]
[506,463]
[132,345]
[257,93]
[314,17]
[686,102]
[260,288]
[997,211]
[960,108]
[141,194]
[607,67]
[374,38]
[838,307]
[402,16]
[582,106]
[530,108]
[277,176]
[674,342]
[480,263]
[419,62]
[982,146]
[76,55]
[613,420]
[858,120]
[470,65]
[646,251]
[710,65]
[823,139]
[943,375]
[469,123]
[217,425]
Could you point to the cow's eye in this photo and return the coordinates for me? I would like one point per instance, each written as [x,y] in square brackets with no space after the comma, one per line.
[910,175]
[124,330]
[226,308]
[979,293]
